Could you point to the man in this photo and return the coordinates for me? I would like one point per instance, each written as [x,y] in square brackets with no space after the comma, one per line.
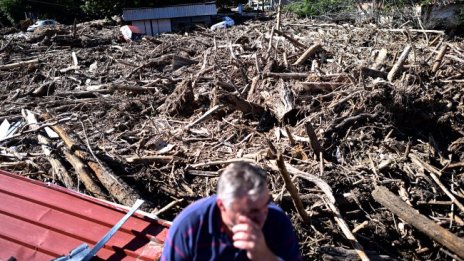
[239,223]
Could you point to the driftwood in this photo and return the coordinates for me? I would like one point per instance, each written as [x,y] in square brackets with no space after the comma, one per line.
[32,62]
[150,159]
[289,38]
[254,84]
[400,208]
[292,189]
[397,66]
[279,13]
[248,108]
[434,173]
[181,101]
[57,166]
[204,116]
[6,45]
[439,58]
[308,53]
[380,59]
[119,189]
[331,203]
[282,102]
[171,138]
[85,175]
[318,86]
[287,75]
[373,73]
[342,254]
[315,146]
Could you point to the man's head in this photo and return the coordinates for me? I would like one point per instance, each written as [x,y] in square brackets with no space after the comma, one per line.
[242,191]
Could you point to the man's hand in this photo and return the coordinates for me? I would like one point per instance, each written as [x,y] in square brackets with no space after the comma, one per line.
[249,236]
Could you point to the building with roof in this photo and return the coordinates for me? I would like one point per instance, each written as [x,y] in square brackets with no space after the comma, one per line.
[153,21]
[41,221]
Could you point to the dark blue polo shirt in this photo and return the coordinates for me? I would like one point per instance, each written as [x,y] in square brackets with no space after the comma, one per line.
[197,234]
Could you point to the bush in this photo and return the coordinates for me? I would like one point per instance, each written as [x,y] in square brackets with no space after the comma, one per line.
[317,7]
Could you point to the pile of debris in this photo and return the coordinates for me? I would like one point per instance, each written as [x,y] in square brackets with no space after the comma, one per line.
[360,128]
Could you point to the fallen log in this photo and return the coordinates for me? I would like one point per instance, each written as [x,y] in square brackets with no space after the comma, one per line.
[58,168]
[414,31]
[45,89]
[179,61]
[314,142]
[435,174]
[181,101]
[439,58]
[84,175]
[286,75]
[6,45]
[330,200]
[204,116]
[237,103]
[308,53]
[118,188]
[151,159]
[397,66]
[282,102]
[380,59]
[304,87]
[292,189]
[290,39]
[19,64]
[373,73]
[254,84]
[339,253]
[411,216]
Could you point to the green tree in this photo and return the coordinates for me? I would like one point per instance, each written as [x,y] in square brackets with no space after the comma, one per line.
[13,9]
[63,10]
[317,7]
[103,8]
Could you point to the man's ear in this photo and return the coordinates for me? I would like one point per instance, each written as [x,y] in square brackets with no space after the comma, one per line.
[220,204]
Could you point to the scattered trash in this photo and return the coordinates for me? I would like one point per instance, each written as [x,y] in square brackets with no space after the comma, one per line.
[131,33]
[226,23]
[42,23]
[7,130]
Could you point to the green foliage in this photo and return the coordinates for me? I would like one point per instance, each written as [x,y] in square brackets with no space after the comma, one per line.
[316,7]
[461,18]
[102,8]
[13,9]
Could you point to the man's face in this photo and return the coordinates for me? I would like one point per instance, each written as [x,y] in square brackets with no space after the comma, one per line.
[256,210]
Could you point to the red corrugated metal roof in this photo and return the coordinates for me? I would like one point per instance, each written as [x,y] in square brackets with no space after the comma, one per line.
[41,221]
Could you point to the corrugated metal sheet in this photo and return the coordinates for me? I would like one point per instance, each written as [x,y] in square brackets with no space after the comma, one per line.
[135,14]
[41,221]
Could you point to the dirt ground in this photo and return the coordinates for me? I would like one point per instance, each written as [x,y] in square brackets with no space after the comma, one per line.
[347,108]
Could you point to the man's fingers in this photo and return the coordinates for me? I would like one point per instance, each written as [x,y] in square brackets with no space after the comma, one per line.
[242,228]
[245,245]
[244,236]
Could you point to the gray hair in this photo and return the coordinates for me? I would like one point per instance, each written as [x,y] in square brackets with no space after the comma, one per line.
[239,180]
